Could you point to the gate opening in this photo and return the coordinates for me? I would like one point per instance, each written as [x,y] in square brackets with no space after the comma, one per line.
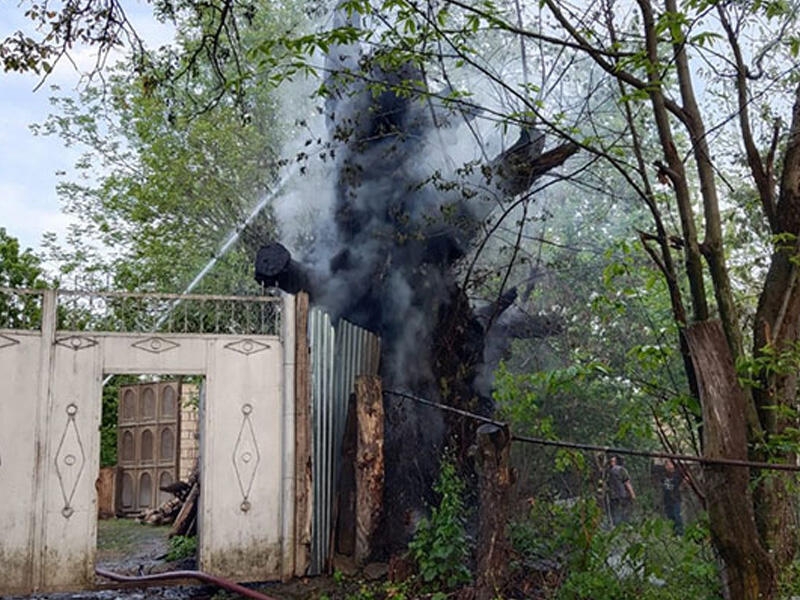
[149,479]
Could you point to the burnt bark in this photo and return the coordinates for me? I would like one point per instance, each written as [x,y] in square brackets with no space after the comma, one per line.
[402,218]
[749,569]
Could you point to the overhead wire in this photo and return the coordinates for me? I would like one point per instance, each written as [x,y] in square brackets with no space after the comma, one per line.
[712,461]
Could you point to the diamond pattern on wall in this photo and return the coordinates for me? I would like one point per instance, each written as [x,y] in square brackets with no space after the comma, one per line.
[70,460]
[246,457]
[76,342]
[247,346]
[6,341]
[155,345]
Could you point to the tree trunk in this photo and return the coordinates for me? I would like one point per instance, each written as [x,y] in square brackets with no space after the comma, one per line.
[776,332]
[749,570]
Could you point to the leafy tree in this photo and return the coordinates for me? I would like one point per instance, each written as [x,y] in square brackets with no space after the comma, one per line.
[57,28]
[19,270]
[169,174]
[666,89]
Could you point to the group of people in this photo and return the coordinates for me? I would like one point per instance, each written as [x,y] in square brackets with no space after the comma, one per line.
[621,494]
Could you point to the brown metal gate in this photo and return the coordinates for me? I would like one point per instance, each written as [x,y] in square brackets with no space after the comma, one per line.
[148,449]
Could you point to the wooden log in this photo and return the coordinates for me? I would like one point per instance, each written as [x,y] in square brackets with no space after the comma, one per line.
[369,464]
[183,521]
[495,479]
[106,487]
[750,570]
[163,514]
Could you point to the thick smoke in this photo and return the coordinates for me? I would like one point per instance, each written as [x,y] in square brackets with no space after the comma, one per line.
[403,213]
[400,219]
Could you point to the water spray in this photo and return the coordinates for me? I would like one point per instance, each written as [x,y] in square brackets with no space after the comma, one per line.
[232,239]
[229,242]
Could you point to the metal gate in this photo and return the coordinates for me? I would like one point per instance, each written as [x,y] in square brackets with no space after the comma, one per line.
[56,347]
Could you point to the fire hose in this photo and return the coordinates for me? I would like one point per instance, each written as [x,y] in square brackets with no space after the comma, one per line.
[199,575]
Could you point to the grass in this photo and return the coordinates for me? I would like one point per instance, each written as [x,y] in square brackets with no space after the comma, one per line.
[117,538]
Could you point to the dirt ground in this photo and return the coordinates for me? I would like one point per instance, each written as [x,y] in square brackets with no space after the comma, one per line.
[127,547]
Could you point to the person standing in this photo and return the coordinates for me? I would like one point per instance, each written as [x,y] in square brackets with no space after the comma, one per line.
[671,492]
[620,491]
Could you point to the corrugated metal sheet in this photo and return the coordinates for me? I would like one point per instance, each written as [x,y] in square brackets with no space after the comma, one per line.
[338,355]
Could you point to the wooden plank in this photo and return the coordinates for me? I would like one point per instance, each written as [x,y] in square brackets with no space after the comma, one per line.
[369,463]
[185,518]
[106,485]
[303,439]
[494,483]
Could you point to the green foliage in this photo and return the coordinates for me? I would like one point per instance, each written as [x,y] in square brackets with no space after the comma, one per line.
[169,173]
[108,424]
[754,371]
[182,546]
[19,269]
[580,401]
[356,588]
[789,581]
[439,546]
[646,561]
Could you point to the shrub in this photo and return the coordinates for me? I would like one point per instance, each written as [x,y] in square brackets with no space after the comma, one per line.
[182,546]
[439,546]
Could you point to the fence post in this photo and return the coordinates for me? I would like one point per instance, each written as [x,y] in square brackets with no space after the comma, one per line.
[495,479]
[303,484]
[369,463]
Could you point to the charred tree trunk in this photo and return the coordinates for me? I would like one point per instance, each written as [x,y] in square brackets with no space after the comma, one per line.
[749,569]
[402,218]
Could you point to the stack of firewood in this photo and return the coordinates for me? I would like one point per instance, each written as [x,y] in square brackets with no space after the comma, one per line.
[181,509]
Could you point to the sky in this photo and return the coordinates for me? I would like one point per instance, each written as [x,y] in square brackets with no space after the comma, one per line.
[29,204]
[28,164]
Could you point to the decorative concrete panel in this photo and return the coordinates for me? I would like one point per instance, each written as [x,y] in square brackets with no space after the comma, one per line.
[72,450]
[19,414]
[242,446]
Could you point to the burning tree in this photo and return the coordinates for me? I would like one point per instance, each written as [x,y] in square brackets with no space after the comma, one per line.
[403,221]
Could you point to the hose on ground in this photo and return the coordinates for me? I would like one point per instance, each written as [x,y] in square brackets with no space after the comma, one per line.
[199,575]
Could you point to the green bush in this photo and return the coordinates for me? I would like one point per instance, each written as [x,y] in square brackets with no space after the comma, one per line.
[439,546]
[643,561]
[182,546]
